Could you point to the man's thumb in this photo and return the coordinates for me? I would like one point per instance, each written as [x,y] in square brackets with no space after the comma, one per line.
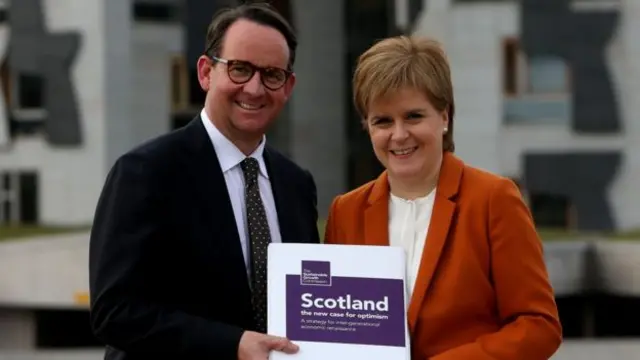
[281,344]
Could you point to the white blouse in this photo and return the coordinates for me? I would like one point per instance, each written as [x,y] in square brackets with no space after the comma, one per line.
[408,226]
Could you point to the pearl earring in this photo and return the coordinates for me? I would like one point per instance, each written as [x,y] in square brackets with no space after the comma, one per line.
[445,130]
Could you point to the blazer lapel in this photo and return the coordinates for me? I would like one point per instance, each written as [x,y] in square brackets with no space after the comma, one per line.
[217,211]
[376,215]
[443,212]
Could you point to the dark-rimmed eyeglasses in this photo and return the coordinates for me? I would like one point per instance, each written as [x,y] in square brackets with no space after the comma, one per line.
[240,72]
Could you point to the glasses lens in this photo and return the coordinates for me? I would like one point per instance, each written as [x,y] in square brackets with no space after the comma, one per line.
[274,78]
[240,72]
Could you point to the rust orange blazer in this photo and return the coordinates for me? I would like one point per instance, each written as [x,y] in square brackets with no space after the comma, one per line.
[482,291]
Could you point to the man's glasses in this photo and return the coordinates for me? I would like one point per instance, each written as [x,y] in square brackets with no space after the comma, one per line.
[240,72]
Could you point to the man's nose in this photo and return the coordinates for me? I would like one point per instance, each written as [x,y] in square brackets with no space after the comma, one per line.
[254,85]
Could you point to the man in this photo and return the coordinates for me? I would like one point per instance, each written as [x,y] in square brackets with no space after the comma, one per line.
[178,246]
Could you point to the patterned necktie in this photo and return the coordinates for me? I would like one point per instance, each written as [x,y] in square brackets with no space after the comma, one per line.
[259,238]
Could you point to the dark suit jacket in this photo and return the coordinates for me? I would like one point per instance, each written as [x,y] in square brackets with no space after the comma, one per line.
[167,275]
[482,291]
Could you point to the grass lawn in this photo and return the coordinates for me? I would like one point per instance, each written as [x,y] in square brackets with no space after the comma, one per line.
[25,231]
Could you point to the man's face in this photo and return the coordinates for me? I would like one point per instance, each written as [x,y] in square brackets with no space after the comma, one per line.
[243,112]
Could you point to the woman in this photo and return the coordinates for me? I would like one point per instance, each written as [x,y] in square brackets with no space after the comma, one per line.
[476,277]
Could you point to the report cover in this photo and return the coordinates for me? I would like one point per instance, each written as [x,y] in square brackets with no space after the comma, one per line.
[338,301]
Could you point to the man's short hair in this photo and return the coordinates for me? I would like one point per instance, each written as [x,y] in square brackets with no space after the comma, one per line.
[259,12]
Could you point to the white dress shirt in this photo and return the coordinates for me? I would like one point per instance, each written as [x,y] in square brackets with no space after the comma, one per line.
[408,227]
[230,158]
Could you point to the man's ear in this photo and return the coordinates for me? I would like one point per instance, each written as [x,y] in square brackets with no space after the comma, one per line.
[288,86]
[205,68]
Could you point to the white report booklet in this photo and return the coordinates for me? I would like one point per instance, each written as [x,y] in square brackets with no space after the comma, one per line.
[338,301]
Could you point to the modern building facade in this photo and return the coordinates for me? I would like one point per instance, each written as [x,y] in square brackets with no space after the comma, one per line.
[82,83]
[546,93]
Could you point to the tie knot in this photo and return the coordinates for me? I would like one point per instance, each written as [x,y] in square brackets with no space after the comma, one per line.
[250,169]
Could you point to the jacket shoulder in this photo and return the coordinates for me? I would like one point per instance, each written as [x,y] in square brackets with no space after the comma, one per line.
[156,157]
[355,198]
[159,147]
[484,183]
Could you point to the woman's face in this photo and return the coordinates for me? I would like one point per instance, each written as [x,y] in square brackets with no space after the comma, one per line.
[406,132]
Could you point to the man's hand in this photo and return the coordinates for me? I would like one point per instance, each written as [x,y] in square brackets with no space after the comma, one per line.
[257,346]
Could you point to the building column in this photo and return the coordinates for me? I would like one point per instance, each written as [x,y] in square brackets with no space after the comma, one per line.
[318,109]
[119,134]
[623,61]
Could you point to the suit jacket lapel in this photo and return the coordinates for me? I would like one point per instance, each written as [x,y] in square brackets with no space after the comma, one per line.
[443,212]
[283,202]
[217,209]
[376,215]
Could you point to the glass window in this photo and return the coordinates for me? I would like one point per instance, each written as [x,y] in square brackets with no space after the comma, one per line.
[547,75]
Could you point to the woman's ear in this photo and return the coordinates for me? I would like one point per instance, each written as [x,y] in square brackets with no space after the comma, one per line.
[445,120]
[365,124]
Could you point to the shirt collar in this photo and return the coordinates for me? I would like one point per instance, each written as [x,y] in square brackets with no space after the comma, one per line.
[229,156]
